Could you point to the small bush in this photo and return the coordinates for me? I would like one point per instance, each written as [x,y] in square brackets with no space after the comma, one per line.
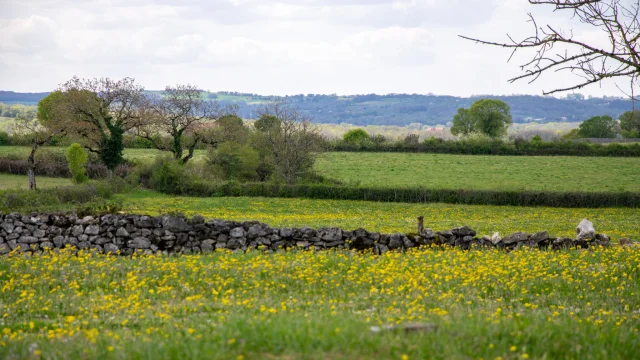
[4,139]
[356,136]
[77,159]
[169,176]
[236,162]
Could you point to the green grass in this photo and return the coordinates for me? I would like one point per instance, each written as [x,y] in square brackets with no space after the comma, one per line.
[145,155]
[303,305]
[389,217]
[437,171]
[22,182]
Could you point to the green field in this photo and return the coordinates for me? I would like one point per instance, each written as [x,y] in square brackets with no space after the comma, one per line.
[525,304]
[306,305]
[144,155]
[436,171]
[389,217]
[22,182]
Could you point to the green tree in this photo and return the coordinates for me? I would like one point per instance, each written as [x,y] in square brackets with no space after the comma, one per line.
[492,117]
[77,159]
[97,112]
[630,123]
[229,128]
[356,136]
[598,127]
[266,122]
[463,123]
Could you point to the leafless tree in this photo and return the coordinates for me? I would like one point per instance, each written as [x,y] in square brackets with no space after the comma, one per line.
[292,138]
[557,50]
[180,112]
[28,123]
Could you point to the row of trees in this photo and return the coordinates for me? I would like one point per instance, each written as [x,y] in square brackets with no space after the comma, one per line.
[492,117]
[98,112]
[606,127]
[14,111]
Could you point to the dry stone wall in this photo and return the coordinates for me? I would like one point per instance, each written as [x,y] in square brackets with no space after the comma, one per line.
[126,234]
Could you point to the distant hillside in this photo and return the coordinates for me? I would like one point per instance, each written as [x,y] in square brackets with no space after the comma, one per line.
[10,97]
[404,109]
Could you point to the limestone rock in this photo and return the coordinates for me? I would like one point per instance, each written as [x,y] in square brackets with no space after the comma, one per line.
[495,238]
[515,238]
[175,224]
[237,232]
[396,241]
[330,234]
[122,232]
[8,227]
[139,243]
[585,231]
[27,240]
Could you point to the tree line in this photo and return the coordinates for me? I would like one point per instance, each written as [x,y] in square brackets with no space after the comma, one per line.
[97,113]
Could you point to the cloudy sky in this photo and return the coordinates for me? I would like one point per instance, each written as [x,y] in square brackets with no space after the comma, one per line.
[276,47]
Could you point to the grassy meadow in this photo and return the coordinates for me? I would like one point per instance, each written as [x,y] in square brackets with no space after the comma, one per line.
[12,182]
[143,155]
[444,171]
[526,304]
[388,217]
[305,305]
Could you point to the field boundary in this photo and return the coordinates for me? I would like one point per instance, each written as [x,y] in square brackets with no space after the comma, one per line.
[128,234]
[414,195]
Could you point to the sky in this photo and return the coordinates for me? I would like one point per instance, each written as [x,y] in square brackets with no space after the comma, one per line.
[279,47]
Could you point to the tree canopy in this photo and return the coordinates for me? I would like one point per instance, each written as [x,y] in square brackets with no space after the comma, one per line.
[490,117]
[630,123]
[96,111]
[463,123]
[598,127]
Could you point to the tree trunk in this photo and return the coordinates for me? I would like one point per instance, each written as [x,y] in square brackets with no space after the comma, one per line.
[32,165]
[32,179]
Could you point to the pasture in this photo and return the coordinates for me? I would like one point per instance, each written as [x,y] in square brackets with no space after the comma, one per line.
[290,305]
[445,171]
[142,155]
[388,217]
[525,304]
[12,182]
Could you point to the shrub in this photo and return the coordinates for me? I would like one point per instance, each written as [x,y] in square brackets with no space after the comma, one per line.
[412,139]
[168,175]
[77,159]
[4,139]
[236,161]
[482,145]
[356,136]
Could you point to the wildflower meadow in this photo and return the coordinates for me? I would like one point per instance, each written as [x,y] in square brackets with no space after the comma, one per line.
[572,304]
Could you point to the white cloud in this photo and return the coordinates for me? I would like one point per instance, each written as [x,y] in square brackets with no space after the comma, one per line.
[275,47]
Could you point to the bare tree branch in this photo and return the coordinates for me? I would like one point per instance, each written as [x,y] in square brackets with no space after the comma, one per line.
[618,20]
